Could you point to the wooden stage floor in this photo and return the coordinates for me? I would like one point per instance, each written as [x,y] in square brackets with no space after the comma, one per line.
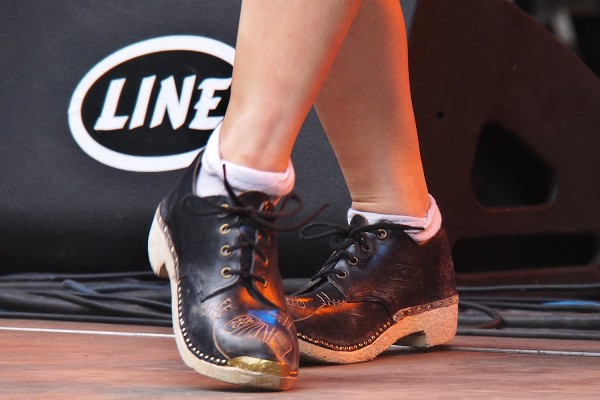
[63,360]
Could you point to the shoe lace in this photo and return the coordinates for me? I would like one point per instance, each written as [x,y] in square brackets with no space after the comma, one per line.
[344,238]
[261,219]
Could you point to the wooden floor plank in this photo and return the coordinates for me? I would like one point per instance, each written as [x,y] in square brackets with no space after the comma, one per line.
[58,360]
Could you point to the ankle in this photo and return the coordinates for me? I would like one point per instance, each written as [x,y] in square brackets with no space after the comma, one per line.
[259,147]
[413,207]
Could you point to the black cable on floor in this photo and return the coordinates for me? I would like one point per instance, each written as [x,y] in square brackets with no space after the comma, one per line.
[495,321]
[529,288]
[528,333]
[141,298]
[87,318]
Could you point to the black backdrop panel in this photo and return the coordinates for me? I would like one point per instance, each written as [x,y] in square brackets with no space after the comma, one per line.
[62,210]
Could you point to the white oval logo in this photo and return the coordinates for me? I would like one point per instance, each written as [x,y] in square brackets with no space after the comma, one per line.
[151,106]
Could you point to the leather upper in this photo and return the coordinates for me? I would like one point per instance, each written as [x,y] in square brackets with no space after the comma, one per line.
[231,301]
[349,304]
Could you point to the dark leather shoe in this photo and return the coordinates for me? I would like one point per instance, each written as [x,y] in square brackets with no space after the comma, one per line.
[378,287]
[229,313]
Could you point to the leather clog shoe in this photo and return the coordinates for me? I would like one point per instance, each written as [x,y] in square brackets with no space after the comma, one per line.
[378,288]
[229,314]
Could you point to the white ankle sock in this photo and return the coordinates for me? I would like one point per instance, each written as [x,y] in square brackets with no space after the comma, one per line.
[241,178]
[431,222]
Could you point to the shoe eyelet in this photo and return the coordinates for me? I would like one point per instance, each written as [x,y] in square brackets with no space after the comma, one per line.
[353,260]
[226,250]
[365,248]
[226,272]
[265,283]
[224,229]
[342,274]
[224,207]
[381,234]
[265,206]
[266,262]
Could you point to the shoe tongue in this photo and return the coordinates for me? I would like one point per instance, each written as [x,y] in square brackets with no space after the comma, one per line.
[256,200]
[358,221]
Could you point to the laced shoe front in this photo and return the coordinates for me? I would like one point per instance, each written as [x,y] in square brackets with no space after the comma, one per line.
[377,288]
[229,314]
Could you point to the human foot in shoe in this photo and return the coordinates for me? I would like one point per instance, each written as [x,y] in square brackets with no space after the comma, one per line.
[229,314]
[378,287]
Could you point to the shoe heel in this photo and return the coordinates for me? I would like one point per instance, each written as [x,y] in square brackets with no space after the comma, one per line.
[436,327]
[159,253]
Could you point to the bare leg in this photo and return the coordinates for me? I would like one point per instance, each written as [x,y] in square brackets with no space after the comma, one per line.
[284,52]
[375,269]
[366,110]
[220,254]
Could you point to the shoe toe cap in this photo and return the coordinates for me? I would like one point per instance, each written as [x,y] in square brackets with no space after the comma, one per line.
[266,335]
